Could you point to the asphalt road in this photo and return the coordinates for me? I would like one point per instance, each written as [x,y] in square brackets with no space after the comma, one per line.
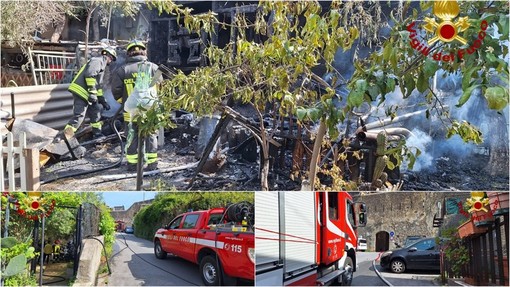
[366,275]
[133,264]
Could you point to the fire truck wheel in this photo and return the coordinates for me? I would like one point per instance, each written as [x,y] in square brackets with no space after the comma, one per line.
[210,271]
[397,266]
[346,279]
[158,251]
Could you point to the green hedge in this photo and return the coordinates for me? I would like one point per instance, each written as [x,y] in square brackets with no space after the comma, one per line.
[168,205]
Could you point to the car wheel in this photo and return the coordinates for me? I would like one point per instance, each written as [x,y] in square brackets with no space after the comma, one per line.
[158,250]
[398,266]
[209,271]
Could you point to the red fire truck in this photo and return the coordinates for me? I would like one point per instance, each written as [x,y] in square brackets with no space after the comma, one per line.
[306,238]
[220,240]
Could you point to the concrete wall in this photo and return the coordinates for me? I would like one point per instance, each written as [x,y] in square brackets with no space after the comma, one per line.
[128,215]
[404,214]
[90,259]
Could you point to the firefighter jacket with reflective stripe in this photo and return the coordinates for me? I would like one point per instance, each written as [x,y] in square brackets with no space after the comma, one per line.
[89,79]
[123,82]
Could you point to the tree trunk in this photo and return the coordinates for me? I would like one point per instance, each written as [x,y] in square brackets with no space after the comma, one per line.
[59,27]
[87,29]
[498,146]
[316,152]
[95,27]
[264,173]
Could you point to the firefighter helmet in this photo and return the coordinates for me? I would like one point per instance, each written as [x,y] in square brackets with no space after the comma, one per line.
[111,51]
[135,43]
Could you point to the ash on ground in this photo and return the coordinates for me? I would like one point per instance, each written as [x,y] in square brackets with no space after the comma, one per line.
[99,170]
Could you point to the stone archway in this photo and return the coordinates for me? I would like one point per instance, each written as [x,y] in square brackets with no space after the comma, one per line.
[382,241]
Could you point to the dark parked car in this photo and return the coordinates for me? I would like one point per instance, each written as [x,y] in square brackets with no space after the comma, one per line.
[421,255]
[412,239]
[129,229]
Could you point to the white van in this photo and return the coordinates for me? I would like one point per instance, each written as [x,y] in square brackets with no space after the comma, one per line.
[362,244]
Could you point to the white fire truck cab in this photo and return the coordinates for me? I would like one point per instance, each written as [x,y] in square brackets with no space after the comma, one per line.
[306,238]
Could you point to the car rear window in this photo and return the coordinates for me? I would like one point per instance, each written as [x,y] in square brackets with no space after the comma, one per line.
[190,221]
[214,218]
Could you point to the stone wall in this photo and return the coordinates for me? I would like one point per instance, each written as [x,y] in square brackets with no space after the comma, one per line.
[90,220]
[404,214]
[128,215]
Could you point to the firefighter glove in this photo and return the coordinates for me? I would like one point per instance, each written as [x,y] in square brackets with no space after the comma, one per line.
[92,98]
[103,102]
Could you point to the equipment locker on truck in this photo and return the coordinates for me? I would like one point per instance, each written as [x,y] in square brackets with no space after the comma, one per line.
[220,240]
[306,238]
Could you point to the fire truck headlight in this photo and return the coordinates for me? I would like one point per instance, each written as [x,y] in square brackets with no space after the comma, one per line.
[251,254]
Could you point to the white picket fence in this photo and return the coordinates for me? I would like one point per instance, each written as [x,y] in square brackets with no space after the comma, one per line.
[11,155]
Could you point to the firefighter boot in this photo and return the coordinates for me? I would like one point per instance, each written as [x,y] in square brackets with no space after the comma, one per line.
[152,166]
[131,167]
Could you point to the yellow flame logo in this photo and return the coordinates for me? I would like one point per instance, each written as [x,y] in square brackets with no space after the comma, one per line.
[446,30]
[477,201]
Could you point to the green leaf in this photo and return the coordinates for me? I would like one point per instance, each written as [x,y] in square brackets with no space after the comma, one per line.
[373,91]
[466,95]
[430,67]
[497,98]
[8,242]
[16,265]
[387,51]
[503,20]
[390,85]
[361,85]
[491,58]
[301,113]
[314,114]
[423,83]
[467,75]
[394,59]
[355,98]
[409,84]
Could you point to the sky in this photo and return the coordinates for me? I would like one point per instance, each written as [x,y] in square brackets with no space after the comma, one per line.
[126,198]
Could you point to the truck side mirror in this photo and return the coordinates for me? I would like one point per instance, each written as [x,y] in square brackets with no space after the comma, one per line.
[361,209]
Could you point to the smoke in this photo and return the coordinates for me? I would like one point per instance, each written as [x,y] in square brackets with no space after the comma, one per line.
[421,141]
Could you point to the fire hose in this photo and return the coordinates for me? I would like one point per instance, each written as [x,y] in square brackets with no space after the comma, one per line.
[114,127]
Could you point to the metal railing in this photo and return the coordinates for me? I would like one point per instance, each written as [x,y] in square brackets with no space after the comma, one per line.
[52,67]
[488,253]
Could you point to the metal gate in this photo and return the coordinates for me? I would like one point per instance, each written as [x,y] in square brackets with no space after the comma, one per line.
[69,252]
[52,67]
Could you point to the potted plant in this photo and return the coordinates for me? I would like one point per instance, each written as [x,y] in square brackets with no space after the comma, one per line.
[498,202]
[468,229]
[455,252]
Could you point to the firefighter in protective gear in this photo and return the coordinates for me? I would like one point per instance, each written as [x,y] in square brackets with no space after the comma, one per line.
[87,91]
[123,84]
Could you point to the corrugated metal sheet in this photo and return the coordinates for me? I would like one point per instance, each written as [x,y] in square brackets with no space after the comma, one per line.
[49,105]
[267,241]
[300,219]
